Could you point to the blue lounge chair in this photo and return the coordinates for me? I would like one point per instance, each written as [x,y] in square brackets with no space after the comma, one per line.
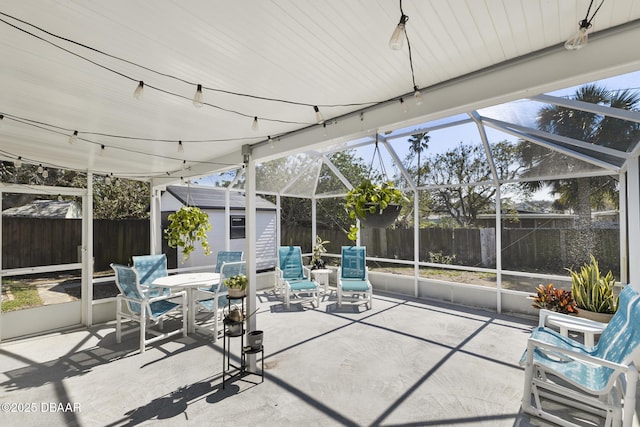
[294,279]
[598,379]
[144,309]
[353,282]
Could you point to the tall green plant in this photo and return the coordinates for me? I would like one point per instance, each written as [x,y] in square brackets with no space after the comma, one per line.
[591,290]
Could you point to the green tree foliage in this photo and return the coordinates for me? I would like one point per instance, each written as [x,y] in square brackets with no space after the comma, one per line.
[465,164]
[120,199]
[418,143]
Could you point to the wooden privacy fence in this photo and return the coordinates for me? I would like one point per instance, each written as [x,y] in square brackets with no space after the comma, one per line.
[30,242]
[544,250]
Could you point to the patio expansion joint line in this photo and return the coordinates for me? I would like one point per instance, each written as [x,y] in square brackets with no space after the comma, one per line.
[428,374]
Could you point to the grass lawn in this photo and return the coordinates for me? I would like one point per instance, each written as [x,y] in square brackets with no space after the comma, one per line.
[24,295]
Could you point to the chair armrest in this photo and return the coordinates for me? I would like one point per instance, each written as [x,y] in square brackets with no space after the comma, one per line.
[306,271]
[533,344]
[570,322]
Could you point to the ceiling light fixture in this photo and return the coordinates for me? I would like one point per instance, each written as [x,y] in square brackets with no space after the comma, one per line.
[579,39]
[417,95]
[254,125]
[319,117]
[137,94]
[396,44]
[73,138]
[405,108]
[397,38]
[197,98]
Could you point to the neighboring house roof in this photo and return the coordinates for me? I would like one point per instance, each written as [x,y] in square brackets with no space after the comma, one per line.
[46,209]
[214,198]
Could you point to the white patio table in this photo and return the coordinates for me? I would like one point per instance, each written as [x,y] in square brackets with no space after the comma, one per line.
[188,282]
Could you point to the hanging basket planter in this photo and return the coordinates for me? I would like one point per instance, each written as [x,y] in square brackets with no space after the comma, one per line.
[375,205]
[383,218]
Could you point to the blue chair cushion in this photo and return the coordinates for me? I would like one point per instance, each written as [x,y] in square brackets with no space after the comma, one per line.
[355,285]
[302,285]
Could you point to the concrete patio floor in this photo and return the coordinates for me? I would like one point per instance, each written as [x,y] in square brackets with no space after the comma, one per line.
[405,363]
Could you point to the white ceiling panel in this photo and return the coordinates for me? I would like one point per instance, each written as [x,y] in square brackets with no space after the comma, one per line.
[73,65]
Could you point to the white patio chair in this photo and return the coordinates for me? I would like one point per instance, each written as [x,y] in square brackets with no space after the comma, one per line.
[144,309]
[149,268]
[599,380]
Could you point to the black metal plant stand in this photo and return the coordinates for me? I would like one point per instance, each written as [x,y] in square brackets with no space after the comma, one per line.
[235,329]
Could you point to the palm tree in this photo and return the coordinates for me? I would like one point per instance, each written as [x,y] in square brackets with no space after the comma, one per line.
[419,143]
[583,193]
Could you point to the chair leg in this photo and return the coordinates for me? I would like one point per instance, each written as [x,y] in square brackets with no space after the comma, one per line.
[216,317]
[118,321]
[286,297]
[143,330]
[184,319]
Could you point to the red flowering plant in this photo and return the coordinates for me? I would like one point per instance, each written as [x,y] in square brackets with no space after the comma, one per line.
[551,298]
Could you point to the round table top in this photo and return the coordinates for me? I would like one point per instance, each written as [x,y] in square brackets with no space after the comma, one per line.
[187,279]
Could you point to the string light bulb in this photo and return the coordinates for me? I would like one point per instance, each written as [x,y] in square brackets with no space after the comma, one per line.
[404,105]
[1,119]
[319,117]
[102,147]
[271,144]
[397,38]
[40,169]
[73,138]
[45,174]
[18,162]
[180,147]
[107,179]
[417,95]
[254,125]
[137,94]
[579,39]
[198,98]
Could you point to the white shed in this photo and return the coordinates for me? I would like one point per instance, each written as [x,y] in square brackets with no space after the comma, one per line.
[224,226]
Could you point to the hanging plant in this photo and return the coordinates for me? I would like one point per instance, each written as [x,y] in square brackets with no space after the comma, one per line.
[375,205]
[189,225]
[379,202]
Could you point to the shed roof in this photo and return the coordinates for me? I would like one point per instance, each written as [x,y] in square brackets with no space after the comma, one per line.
[215,198]
[46,209]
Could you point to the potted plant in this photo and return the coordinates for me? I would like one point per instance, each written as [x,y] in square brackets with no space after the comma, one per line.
[593,292]
[318,249]
[551,298]
[236,285]
[376,205]
[189,225]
